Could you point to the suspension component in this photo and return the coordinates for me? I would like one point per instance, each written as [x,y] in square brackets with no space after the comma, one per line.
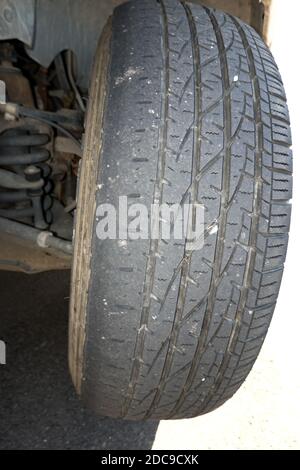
[43,239]
[17,86]
[33,174]
[24,156]
[11,180]
[24,150]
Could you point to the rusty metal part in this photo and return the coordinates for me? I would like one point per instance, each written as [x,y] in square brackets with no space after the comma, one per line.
[41,90]
[18,87]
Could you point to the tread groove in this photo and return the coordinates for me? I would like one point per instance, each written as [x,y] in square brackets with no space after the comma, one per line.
[254,222]
[202,340]
[187,255]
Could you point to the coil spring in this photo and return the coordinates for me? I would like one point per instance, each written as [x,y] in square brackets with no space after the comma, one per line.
[24,153]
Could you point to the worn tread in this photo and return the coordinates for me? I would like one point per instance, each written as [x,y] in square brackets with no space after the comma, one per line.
[179,331]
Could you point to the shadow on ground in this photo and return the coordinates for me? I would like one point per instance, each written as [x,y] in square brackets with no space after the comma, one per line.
[38,407]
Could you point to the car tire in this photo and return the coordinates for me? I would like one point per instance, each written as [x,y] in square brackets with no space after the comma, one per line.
[186,104]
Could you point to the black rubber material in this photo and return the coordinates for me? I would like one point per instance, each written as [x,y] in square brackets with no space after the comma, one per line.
[195,111]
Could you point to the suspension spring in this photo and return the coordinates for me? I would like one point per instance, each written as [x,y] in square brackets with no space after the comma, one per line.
[23,153]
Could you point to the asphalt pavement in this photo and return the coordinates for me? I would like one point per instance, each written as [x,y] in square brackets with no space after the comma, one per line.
[38,406]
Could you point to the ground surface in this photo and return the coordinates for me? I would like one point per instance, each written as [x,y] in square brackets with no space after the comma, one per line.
[38,407]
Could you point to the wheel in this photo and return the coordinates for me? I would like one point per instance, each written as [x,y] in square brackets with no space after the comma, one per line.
[186,104]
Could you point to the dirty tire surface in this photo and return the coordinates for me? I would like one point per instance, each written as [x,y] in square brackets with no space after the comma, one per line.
[195,112]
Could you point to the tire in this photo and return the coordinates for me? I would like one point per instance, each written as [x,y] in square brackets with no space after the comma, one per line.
[186,104]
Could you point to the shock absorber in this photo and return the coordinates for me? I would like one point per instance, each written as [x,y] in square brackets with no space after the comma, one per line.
[23,152]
